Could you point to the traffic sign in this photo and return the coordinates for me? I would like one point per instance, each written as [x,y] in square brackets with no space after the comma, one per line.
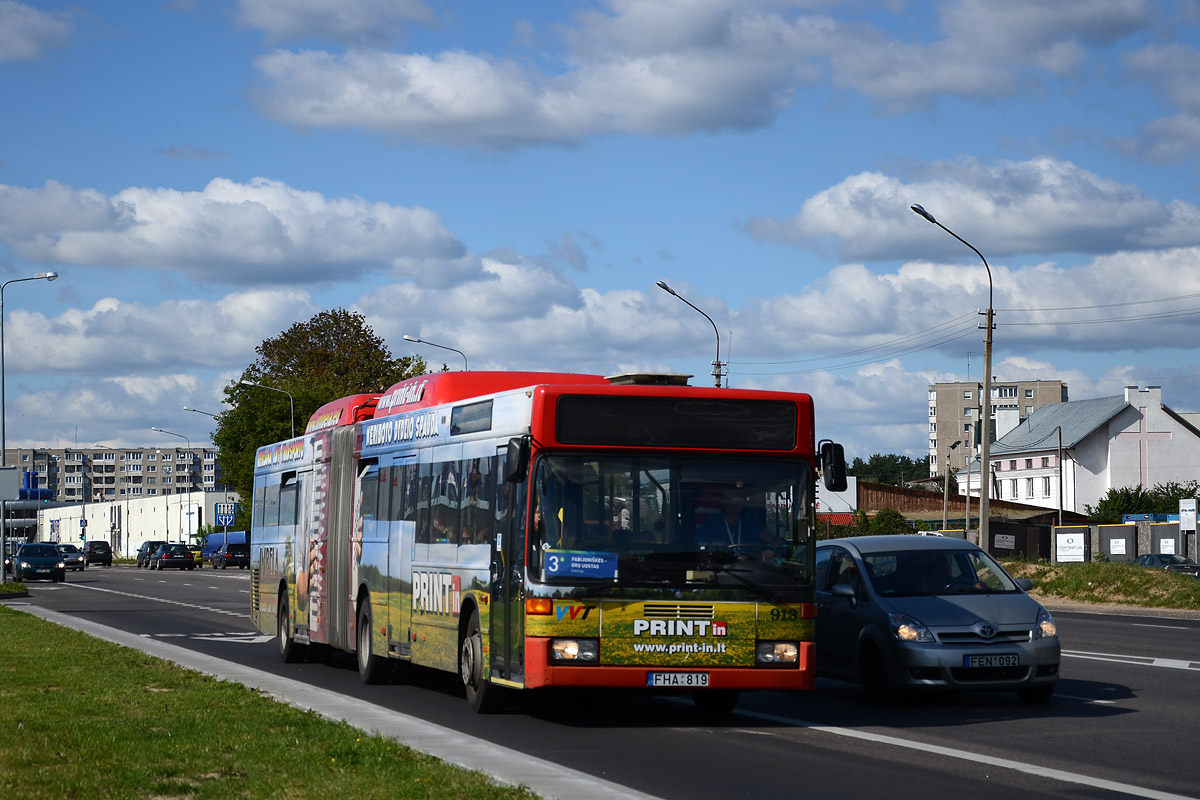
[225,513]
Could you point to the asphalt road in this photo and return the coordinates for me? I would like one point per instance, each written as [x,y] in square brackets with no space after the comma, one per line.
[1121,724]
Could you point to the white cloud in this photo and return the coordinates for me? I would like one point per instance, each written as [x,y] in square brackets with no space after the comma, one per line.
[1041,206]
[26,33]
[649,67]
[261,232]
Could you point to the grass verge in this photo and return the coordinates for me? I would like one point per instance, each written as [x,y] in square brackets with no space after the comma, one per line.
[1110,582]
[81,717]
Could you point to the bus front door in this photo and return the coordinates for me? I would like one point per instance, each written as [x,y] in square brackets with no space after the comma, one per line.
[507,615]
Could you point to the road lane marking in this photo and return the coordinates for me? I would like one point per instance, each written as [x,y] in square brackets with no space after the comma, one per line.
[161,600]
[1164,627]
[1140,661]
[1085,699]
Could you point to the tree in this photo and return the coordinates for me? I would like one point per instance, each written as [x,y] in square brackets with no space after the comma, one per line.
[891,469]
[889,520]
[333,355]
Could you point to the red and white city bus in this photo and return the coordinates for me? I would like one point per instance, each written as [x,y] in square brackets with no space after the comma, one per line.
[531,530]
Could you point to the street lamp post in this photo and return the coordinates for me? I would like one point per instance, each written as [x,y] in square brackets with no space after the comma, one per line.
[418,340]
[189,453]
[49,276]
[198,411]
[716,364]
[291,401]
[946,488]
[985,468]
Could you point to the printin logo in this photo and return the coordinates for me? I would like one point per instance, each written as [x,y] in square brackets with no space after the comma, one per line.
[679,627]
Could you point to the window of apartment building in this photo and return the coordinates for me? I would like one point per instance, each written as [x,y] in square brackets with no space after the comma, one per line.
[1029,463]
[933,427]
[967,394]
[210,467]
[933,444]
[932,465]
[967,411]
[167,480]
[967,428]
[1029,393]
[933,411]
[132,455]
[165,456]
[1005,391]
[1046,487]
[151,481]
[1045,461]
[1012,464]
[1028,410]
[1013,487]
[1029,487]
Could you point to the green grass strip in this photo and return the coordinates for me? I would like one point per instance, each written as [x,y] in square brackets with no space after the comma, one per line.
[82,717]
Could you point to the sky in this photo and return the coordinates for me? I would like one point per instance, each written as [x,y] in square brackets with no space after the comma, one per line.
[512,179]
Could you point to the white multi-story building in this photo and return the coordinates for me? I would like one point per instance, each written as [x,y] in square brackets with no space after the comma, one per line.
[1106,443]
[99,474]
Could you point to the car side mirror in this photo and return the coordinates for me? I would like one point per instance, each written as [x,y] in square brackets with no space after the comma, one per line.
[847,591]
[1025,584]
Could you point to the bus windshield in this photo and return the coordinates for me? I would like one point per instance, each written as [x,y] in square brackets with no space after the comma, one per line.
[674,523]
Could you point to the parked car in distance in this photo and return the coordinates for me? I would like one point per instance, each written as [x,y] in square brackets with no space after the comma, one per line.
[232,555]
[1171,562]
[172,556]
[146,549]
[99,552]
[197,555]
[39,561]
[921,613]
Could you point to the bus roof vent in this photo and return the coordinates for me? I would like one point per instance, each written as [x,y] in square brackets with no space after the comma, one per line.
[649,379]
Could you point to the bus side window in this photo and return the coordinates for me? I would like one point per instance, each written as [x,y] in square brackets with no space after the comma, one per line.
[424,489]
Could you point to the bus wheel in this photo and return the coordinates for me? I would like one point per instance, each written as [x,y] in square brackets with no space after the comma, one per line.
[480,694]
[715,702]
[289,650]
[371,668]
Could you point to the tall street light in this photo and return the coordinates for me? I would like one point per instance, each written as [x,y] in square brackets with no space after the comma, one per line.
[716,364]
[985,465]
[48,276]
[291,402]
[189,451]
[198,411]
[408,338]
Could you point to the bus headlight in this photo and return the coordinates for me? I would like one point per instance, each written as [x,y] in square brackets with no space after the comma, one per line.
[585,651]
[774,654]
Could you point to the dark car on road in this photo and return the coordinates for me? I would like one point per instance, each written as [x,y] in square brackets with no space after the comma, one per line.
[40,561]
[1171,562]
[232,555]
[172,556]
[146,550]
[901,614]
[72,557]
[98,552]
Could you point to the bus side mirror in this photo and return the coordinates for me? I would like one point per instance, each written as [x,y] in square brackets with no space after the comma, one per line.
[833,465]
[516,460]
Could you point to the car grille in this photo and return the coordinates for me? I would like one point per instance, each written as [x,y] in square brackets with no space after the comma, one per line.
[983,674]
[1003,636]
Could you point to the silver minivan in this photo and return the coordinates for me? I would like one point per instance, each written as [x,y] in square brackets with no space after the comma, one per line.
[901,613]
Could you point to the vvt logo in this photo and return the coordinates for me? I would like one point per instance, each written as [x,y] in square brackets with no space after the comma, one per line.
[572,612]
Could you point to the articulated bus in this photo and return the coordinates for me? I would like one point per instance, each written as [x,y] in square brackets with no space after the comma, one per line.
[531,530]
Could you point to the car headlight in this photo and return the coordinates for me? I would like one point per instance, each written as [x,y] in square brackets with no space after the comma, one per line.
[24,565]
[907,629]
[773,654]
[1044,628]
[585,651]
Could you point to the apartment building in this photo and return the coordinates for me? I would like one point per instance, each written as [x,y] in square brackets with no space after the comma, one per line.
[954,414]
[100,474]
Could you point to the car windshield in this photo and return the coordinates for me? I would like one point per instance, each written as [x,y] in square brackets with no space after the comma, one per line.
[177,548]
[936,572]
[38,551]
[68,548]
[1176,559]
[691,522]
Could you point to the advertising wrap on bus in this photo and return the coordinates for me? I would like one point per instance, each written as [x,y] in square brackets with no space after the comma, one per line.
[526,530]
